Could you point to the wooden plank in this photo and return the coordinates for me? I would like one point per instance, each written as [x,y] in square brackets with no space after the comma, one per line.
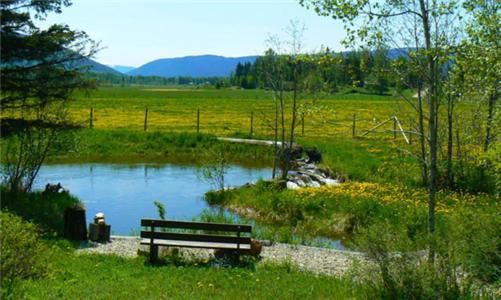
[196,225]
[192,244]
[195,237]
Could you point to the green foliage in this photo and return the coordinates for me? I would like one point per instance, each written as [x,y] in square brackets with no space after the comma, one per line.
[45,209]
[214,166]
[401,274]
[22,255]
[476,244]
[160,208]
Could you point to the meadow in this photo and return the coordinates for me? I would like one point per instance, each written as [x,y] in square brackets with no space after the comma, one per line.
[227,112]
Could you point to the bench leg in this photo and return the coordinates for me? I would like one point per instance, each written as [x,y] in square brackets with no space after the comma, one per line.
[153,254]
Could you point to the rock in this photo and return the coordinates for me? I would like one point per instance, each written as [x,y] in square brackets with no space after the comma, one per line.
[300,182]
[329,181]
[291,185]
[266,243]
[314,184]
[314,155]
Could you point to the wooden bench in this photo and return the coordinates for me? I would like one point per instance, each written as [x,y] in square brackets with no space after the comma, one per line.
[157,234]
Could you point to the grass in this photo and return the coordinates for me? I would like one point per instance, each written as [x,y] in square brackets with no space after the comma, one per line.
[223,112]
[112,277]
[343,211]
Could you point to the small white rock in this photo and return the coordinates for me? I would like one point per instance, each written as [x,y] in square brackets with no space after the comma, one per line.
[292,185]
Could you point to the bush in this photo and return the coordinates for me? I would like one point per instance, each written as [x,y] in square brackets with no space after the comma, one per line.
[401,269]
[45,209]
[22,254]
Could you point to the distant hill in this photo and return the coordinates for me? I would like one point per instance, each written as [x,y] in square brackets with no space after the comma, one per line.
[193,66]
[122,69]
[96,67]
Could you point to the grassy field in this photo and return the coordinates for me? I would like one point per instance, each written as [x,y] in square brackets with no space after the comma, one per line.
[227,112]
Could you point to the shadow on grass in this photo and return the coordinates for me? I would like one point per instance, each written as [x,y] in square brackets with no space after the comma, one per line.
[11,126]
[175,257]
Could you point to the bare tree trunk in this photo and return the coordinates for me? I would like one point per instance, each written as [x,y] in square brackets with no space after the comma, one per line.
[422,139]
[275,146]
[432,123]
[283,168]
[450,138]
[490,112]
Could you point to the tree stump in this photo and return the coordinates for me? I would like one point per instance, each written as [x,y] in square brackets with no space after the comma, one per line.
[74,223]
[99,232]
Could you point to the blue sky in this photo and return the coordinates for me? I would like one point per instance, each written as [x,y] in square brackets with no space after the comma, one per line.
[135,32]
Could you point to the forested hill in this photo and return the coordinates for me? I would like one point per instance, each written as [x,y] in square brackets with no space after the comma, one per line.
[192,66]
[96,67]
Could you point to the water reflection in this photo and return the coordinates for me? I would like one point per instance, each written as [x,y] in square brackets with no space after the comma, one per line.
[125,193]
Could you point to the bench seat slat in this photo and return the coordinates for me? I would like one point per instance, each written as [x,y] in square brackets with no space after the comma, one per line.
[195,225]
[195,237]
[194,244]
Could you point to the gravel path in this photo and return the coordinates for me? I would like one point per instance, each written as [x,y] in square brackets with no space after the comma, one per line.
[317,260]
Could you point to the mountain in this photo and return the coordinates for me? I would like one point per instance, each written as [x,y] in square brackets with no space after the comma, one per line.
[96,67]
[122,69]
[193,66]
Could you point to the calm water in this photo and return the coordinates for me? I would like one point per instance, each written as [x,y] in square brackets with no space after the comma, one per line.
[125,193]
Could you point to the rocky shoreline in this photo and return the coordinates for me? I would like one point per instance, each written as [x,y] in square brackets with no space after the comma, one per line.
[314,259]
[307,174]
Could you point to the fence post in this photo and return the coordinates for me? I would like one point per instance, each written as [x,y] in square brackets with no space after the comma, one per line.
[91,117]
[354,127]
[302,124]
[394,128]
[198,120]
[252,123]
[146,119]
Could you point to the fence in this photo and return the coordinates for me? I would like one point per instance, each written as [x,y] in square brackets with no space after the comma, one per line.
[354,126]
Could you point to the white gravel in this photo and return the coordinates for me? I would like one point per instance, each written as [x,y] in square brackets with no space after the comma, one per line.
[314,259]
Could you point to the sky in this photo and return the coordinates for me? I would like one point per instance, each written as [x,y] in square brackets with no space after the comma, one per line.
[134,32]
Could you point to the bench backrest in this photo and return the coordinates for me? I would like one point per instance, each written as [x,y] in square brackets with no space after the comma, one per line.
[154,224]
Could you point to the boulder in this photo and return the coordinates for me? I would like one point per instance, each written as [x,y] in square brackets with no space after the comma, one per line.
[329,181]
[291,185]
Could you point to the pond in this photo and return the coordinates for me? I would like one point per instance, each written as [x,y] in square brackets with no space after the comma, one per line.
[125,193]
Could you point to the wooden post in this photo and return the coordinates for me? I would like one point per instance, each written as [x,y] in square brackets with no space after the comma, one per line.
[146,119]
[252,124]
[394,128]
[198,120]
[302,124]
[91,117]
[74,223]
[354,127]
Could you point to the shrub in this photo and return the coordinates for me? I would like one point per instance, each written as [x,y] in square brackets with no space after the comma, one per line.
[45,209]
[402,272]
[22,254]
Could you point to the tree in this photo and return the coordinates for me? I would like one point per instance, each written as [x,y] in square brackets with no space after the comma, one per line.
[480,58]
[425,27]
[284,70]
[214,168]
[40,70]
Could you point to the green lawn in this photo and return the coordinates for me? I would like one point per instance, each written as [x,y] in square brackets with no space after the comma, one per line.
[111,277]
